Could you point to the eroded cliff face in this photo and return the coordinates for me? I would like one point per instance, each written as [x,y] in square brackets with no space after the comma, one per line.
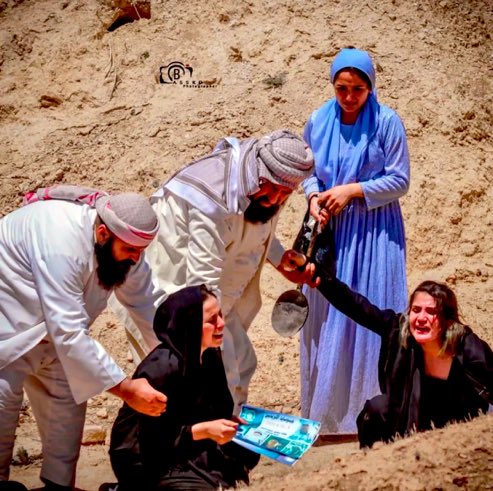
[122,110]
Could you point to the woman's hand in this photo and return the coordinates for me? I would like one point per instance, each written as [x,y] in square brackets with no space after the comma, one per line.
[320,214]
[335,199]
[220,430]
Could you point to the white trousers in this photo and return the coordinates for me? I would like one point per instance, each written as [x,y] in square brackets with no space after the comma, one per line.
[60,420]
[239,358]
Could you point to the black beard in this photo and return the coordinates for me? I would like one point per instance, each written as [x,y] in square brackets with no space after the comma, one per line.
[111,273]
[256,213]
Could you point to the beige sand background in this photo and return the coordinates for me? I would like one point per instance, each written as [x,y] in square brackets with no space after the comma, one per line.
[83,105]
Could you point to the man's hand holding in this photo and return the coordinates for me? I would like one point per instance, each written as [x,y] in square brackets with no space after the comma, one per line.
[317,211]
[294,268]
[141,396]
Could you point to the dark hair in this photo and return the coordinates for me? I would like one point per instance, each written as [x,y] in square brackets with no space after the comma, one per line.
[451,326]
[206,292]
[362,75]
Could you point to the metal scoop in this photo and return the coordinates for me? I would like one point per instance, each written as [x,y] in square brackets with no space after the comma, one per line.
[290,312]
[291,308]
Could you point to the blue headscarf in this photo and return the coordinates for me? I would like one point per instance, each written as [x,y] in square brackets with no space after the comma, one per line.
[354,58]
[323,131]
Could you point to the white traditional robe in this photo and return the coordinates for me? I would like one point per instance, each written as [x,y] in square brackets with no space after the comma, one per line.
[228,255]
[49,287]
[49,296]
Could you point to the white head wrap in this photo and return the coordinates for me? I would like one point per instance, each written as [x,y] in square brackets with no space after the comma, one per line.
[128,215]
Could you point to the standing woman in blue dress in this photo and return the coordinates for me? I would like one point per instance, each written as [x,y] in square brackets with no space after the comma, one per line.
[361,171]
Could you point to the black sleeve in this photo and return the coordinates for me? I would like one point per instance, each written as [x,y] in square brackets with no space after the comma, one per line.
[478,366]
[248,458]
[357,307]
[124,449]
[158,436]
[162,436]
[137,439]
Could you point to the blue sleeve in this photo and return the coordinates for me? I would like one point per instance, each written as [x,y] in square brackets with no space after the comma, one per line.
[394,182]
[311,184]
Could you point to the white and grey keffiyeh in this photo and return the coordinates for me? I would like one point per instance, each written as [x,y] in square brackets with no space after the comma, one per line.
[220,183]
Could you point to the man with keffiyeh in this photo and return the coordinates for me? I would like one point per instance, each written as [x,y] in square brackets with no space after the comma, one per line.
[218,217]
[62,256]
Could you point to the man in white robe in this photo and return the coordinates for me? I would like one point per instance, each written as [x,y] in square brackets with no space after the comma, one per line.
[61,259]
[218,217]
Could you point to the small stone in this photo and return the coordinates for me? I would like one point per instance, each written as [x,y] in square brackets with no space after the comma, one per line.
[93,434]
[452,279]
[49,100]
[25,405]
[235,54]
[21,457]
[469,249]
[129,11]
[455,218]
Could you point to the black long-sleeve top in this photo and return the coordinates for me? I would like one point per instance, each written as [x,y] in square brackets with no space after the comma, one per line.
[145,448]
[401,370]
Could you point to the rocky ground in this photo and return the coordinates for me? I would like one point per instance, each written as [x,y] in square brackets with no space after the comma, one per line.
[81,104]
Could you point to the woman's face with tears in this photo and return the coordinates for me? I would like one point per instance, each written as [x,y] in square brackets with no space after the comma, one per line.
[213,323]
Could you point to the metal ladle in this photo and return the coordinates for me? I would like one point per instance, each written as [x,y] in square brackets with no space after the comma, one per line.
[290,312]
[291,308]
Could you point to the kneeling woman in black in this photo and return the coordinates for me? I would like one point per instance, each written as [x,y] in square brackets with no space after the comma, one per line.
[432,368]
[189,446]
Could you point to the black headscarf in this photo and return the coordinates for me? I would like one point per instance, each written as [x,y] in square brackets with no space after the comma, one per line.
[197,391]
[175,367]
[178,325]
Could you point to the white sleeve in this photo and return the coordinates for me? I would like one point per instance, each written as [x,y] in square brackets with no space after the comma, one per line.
[276,251]
[141,296]
[206,250]
[89,369]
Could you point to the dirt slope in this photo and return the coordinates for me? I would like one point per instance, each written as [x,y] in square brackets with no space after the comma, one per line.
[83,105]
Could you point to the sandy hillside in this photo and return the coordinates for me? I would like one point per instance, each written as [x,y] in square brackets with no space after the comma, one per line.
[83,105]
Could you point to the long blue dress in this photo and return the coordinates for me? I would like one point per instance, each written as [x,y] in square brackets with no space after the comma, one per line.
[338,359]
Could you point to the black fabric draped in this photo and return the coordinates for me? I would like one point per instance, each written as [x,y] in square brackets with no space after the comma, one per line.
[401,370]
[143,449]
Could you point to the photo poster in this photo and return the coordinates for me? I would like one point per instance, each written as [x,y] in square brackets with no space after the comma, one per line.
[281,437]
